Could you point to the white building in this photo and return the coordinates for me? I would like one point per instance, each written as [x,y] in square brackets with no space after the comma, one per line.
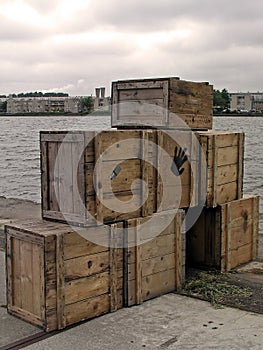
[246,101]
[16,105]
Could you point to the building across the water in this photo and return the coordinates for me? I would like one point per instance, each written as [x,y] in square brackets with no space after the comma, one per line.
[65,104]
[246,101]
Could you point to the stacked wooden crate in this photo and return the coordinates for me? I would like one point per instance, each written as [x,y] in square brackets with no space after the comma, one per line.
[55,277]
[217,239]
[90,188]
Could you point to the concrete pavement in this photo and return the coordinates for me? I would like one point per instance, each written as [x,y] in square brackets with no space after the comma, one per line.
[169,322]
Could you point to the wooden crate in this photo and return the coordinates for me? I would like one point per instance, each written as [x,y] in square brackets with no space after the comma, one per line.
[156,264]
[55,277]
[68,184]
[159,103]
[225,237]
[224,153]
[69,180]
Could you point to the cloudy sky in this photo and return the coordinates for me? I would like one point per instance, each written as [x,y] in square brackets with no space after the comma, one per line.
[76,45]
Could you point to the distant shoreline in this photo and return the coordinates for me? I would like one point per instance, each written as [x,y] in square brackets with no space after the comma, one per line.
[108,113]
[239,115]
[96,113]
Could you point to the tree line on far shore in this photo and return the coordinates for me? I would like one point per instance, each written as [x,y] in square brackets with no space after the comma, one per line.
[36,94]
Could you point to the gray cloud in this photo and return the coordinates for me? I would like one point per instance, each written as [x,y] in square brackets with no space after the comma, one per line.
[100,41]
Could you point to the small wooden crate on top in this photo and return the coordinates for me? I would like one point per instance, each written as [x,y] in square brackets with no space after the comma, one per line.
[224,155]
[55,277]
[162,102]
[156,264]
[226,236]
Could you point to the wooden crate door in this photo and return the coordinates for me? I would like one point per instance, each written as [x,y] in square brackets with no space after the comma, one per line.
[63,180]
[25,278]
[132,100]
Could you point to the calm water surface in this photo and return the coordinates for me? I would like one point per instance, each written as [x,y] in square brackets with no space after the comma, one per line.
[20,160]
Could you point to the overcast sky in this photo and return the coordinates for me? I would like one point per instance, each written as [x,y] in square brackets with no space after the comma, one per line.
[76,45]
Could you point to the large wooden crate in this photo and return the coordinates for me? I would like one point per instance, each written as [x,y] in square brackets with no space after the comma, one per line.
[73,192]
[162,102]
[156,264]
[71,189]
[225,237]
[224,154]
[55,277]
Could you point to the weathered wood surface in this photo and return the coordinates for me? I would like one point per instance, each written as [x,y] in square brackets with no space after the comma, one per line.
[155,267]
[55,277]
[225,237]
[162,102]
[75,191]
[224,154]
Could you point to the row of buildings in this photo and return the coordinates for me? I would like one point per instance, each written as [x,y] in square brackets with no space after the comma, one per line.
[249,101]
[69,104]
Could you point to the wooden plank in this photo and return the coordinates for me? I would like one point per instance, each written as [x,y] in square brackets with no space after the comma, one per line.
[140,84]
[132,206]
[86,309]
[59,136]
[115,104]
[26,316]
[113,265]
[227,155]
[26,276]
[255,211]
[242,235]
[225,174]
[214,153]
[53,171]
[11,274]
[78,179]
[224,193]
[65,186]
[86,265]
[143,110]
[138,265]
[156,247]
[158,284]
[140,94]
[60,272]
[38,281]
[228,237]
[240,255]
[98,183]
[225,138]
[130,170]
[88,287]
[16,273]
[89,143]
[18,233]
[44,176]
[76,246]
[241,144]
[147,174]
[152,266]
[178,252]
[117,145]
